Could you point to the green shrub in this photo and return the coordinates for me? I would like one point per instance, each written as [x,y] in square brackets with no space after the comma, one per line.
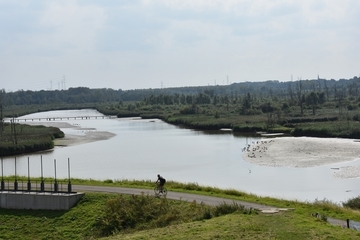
[353,203]
[224,208]
[143,212]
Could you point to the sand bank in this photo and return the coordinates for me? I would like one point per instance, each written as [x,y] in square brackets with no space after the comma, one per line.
[87,134]
[305,152]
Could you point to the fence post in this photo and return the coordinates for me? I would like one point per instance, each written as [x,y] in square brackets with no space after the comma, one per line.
[348,223]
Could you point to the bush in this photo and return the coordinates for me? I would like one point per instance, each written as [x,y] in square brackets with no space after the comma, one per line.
[224,208]
[145,212]
[353,203]
[122,213]
[188,110]
[140,212]
[356,117]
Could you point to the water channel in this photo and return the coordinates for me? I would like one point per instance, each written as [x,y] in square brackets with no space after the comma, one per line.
[140,149]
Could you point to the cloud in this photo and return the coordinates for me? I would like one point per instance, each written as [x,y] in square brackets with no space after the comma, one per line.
[138,44]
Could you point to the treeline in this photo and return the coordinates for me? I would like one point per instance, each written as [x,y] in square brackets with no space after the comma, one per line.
[271,88]
[304,95]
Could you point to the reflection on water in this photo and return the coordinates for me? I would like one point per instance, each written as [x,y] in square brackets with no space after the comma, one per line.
[143,148]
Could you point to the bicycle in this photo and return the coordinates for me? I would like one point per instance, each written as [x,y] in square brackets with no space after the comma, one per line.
[158,192]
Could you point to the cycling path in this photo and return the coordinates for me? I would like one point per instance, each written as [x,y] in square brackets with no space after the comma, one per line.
[208,200]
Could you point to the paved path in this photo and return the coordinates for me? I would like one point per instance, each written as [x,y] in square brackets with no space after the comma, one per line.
[208,200]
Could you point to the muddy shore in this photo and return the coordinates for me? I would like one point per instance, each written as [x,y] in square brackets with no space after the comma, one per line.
[305,152]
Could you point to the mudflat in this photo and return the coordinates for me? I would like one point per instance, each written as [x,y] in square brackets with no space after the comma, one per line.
[85,135]
[306,152]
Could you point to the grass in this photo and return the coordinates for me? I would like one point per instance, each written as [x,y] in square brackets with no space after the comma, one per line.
[81,222]
[239,226]
[39,224]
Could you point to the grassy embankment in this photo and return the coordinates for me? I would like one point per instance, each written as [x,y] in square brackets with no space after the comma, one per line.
[145,217]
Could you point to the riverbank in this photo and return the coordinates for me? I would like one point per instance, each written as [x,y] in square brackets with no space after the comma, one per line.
[303,152]
[86,135]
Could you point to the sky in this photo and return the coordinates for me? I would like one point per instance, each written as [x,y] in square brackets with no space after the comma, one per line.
[141,44]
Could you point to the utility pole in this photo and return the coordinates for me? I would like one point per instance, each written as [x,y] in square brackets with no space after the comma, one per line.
[64,82]
[2,92]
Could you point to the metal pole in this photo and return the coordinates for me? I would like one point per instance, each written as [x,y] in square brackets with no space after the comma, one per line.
[16,182]
[55,184]
[2,175]
[69,184]
[28,183]
[42,185]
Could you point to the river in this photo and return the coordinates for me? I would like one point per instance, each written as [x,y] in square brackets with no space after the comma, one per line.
[141,149]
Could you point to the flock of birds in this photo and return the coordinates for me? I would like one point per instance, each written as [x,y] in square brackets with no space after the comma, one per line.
[256,147]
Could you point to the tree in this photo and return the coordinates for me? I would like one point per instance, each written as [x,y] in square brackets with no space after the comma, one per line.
[299,96]
[2,96]
[312,99]
[247,102]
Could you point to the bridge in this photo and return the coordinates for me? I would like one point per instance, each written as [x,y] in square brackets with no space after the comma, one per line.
[59,118]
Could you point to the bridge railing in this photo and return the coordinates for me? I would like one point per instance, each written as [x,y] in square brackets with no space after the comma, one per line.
[39,186]
[59,118]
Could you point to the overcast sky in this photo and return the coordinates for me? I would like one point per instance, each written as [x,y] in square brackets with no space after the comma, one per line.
[129,44]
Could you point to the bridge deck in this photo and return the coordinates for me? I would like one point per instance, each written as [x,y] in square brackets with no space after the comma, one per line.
[60,118]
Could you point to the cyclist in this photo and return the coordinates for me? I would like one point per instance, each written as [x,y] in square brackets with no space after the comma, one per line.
[160,181]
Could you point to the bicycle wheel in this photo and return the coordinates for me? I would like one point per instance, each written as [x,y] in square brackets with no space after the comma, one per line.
[157,190]
[164,191]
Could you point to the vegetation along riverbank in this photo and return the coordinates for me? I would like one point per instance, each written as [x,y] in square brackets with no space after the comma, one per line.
[22,138]
[317,108]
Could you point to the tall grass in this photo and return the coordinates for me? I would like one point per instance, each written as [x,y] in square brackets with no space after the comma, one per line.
[138,212]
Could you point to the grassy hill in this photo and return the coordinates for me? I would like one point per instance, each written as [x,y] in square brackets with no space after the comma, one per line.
[113,216]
